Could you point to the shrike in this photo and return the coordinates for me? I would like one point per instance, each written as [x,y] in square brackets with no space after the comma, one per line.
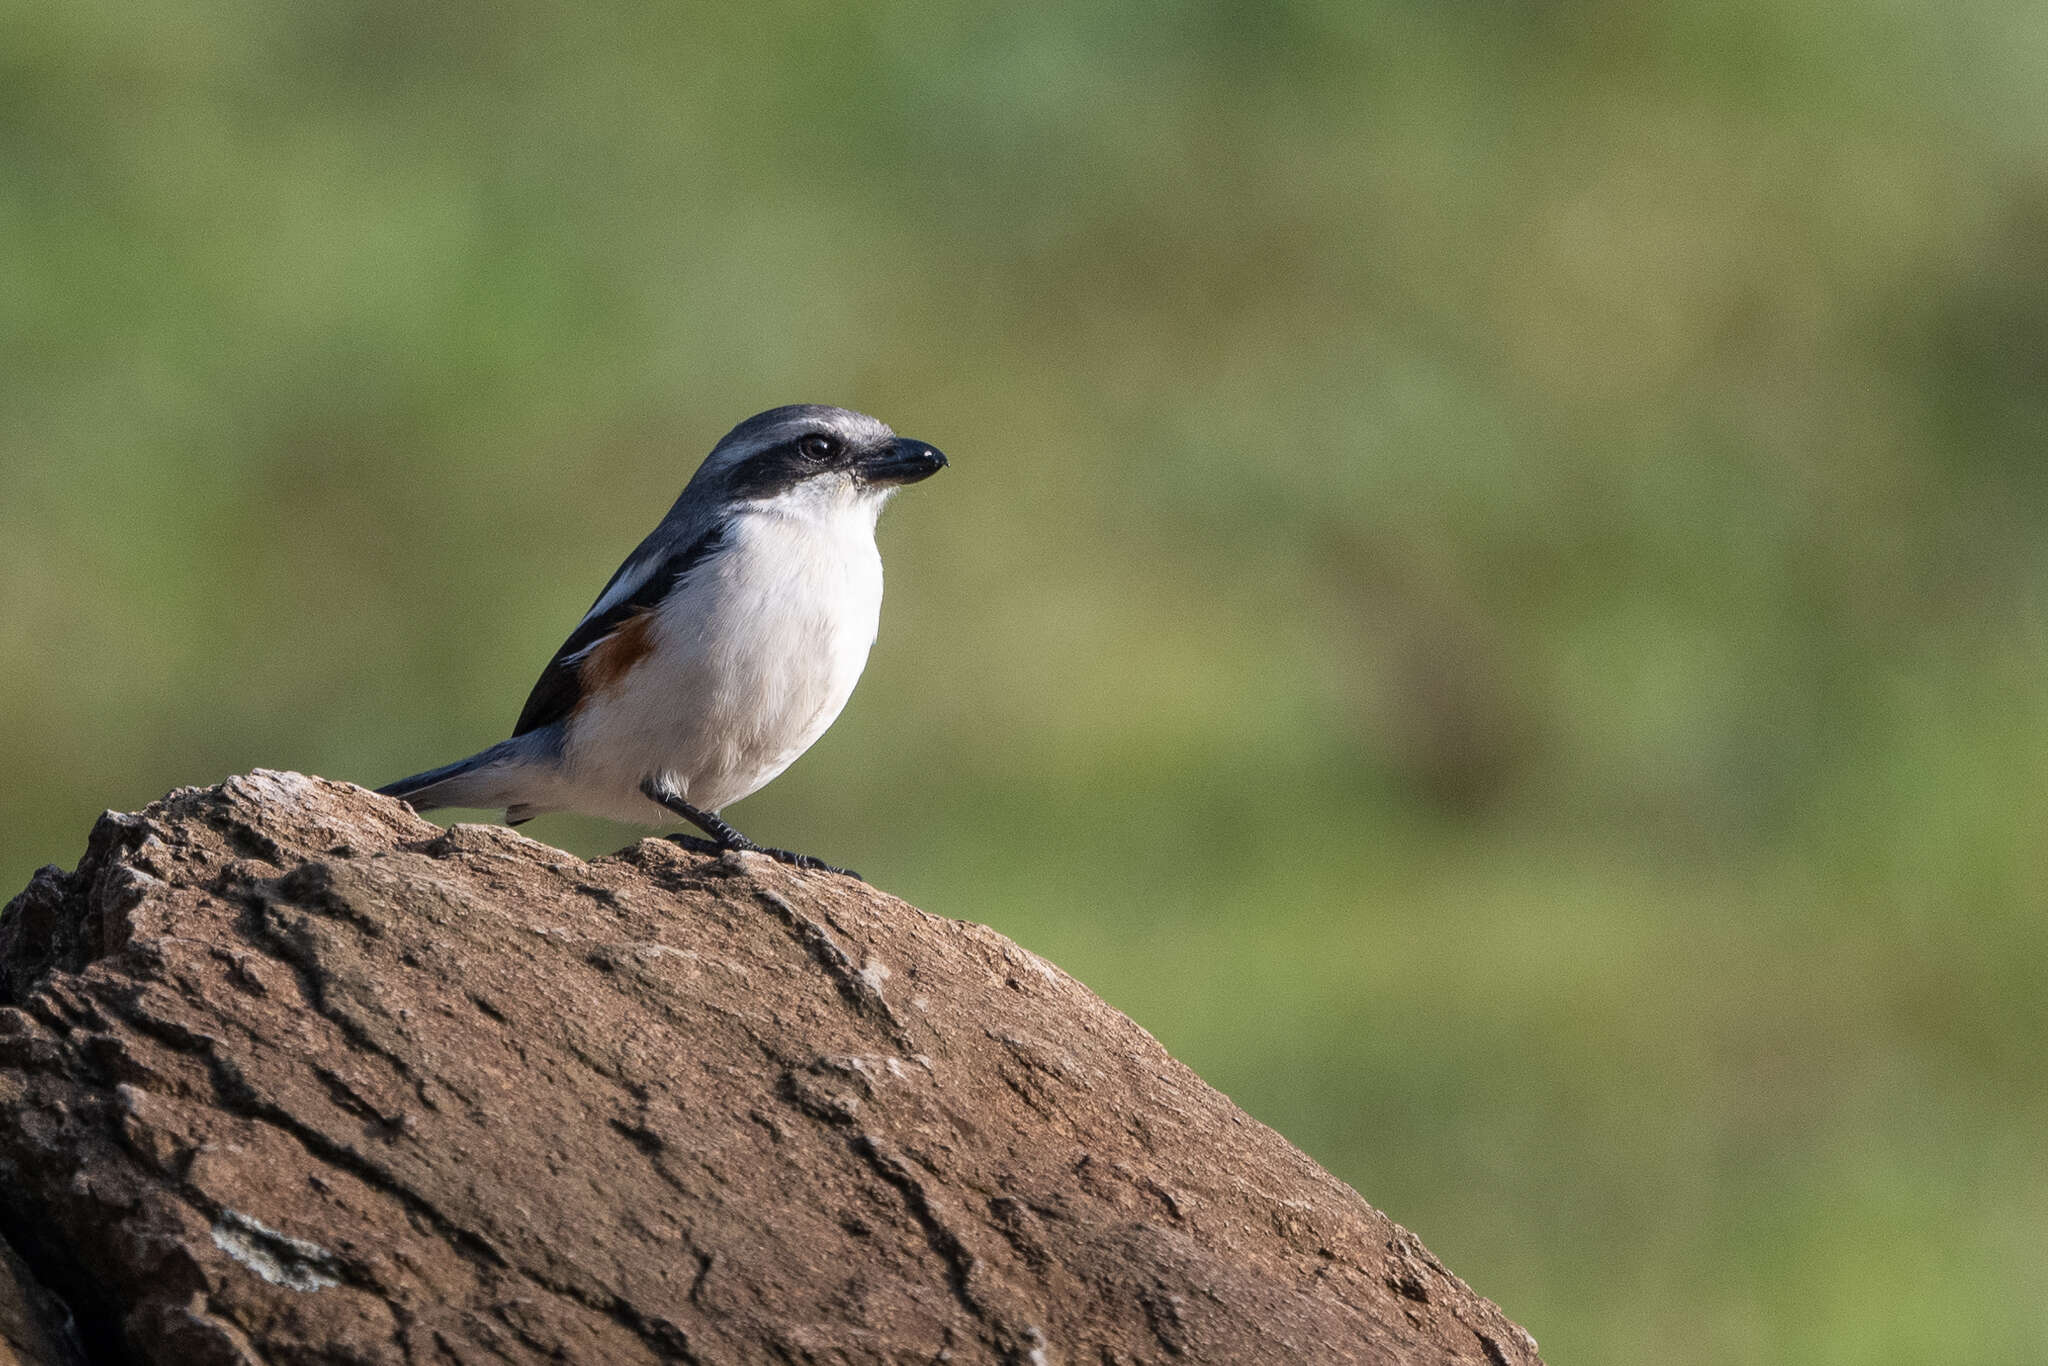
[721,649]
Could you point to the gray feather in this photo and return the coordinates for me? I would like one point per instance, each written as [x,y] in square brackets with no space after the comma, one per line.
[492,778]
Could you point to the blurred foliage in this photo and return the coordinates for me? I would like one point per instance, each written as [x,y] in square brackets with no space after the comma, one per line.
[1491,590]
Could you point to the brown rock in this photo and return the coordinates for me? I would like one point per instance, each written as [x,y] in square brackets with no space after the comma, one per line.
[34,1328]
[288,1074]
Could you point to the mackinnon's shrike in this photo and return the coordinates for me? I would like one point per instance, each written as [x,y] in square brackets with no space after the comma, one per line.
[721,649]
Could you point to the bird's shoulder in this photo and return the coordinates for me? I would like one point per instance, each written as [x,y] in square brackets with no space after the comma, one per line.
[614,633]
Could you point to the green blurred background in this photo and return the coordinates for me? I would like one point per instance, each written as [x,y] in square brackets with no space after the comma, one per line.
[1491,591]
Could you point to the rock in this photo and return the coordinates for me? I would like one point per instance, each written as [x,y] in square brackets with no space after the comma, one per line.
[34,1327]
[288,1074]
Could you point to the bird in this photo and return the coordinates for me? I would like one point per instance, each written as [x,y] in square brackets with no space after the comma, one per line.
[724,646]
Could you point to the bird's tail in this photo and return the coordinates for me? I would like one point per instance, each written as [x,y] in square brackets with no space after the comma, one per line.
[501,776]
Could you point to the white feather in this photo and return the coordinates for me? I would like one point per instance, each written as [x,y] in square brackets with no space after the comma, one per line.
[631,576]
[751,660]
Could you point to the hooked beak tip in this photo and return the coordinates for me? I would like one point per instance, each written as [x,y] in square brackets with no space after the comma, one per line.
[904,462]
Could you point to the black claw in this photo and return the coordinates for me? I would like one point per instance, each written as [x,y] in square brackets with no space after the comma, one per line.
[808,863]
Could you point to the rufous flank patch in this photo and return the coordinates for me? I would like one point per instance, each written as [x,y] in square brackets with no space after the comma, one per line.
[611,658]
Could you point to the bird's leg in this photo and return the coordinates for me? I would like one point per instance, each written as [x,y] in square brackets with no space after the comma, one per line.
[728,838]
[723,835]
[713,825]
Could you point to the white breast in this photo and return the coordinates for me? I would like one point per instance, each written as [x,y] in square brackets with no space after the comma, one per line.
[751,663]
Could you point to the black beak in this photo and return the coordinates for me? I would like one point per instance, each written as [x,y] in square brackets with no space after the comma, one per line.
[902,461]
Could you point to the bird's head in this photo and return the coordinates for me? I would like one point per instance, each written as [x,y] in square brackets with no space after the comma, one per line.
[813,455]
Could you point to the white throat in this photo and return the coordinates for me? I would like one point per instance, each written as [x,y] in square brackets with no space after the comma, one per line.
[834,504]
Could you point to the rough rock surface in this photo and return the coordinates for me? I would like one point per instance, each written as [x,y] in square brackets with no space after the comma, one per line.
[34,1328]
[288,1074]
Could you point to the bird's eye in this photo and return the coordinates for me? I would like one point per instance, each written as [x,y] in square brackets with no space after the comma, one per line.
[816,447]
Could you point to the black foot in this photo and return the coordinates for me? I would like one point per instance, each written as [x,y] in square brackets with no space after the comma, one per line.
[725,837]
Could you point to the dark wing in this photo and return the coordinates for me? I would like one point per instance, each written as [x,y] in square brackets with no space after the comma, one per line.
[561,687]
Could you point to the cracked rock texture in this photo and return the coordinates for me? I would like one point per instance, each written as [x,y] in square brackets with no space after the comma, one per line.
[288,1074]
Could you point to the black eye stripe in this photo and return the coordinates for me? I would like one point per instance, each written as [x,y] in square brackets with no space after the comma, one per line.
[767,473]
